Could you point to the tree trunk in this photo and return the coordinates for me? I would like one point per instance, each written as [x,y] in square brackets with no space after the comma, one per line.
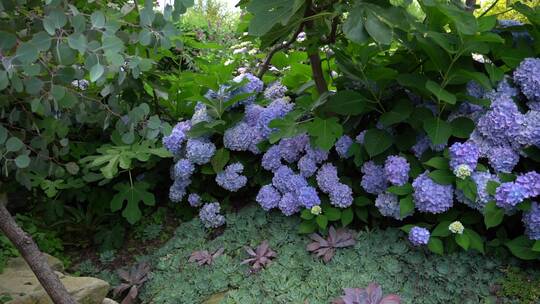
[31,254]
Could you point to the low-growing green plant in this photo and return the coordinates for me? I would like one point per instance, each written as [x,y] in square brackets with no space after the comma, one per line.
[107,256]
[520,285]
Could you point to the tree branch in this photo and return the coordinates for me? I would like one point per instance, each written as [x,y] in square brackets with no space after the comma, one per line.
[276,48]
[31,254]
[314,57]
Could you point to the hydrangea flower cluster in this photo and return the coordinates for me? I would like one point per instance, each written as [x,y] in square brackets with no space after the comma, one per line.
[328,181]
[374,180]
[531,221]
[210,215]
[342,146]
[466,153]
[396,169]
[510,194]
[432,197]
[419,236]
[456,227]
[231,178]
[388,205]
[481,180]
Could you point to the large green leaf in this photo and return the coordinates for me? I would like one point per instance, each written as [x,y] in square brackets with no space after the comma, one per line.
[377,141]
[440,93]
[325,132]
[353,27]
[522,248]
[438,130]
[378,30]
[133,195]
[266,14]
[346,103]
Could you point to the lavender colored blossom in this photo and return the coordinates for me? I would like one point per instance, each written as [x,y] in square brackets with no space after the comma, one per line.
[419,236]
[240,137]
[271,159]
[194,200]
[502,123]
[173,142]
[467,110]
[210,215]
[527,77]
[509,195]
[474,89]
[183,169]
[200,114]
[503,159]
[296,182]
[199,150]
[530,132]
[308,197]
[290,149]
[307,166]
[388,205]
[374,180]
[177,191]
[423,143]
[277,109]
[360,137]
[341,195]
[431,197]
[327,177]
[282,177]
[342,146]
[289,204]
[481,180]
[316,154]
[252,114]
[396,169]
[466,153]
[268,197]
[231,178]
[531,221]
[253,85]
[530,181]
[275,90]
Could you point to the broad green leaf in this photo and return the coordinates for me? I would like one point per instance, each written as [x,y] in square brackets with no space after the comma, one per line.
[7,41]
[112,44]
[133,195]
[220,159]
[436,245]
[41,41]
[347,216]
[378,30]
[377,141]
[22,161]
[346,103]
[4,81]
[401,190]
[332,213]
[400,112]
[353,27]
[322,221]
[493,215]
[463,240]
[27,53]
[462,127]
[476,241]
[96,72]
[306,227]
[98,19]
[440,93]
[14,144]
[467,187]
[443,177]
[266,14]
[438,162]
[439,131]
[325,132]
[522,248]
[33,85]
[58,92]
[536,246]
[441,230]
[306,214]
[464,20]
[406,206]
[78,42]
[3,134]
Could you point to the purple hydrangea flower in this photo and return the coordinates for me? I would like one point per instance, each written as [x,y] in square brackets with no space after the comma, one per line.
[268,197]
[481,180]
[183,169]
[307,166]
[289,204]
[502,123]
[388,205]
[194,200]
[271,159]
[200,150]
[252,114]
[174,141]
[503,159]
[327,177]
[396,169]
[527,76]
[466,153]
[240,137]
[374,180]
[275,90]
[341,195]
[531,221]
[419,236]
[423,143]
[530,181]
[282,177]
[200,114]
[231,178]
[530,133]
[210,215]
[508,195]
[290,149]
[277,109]
[342,146]
[254,85]
[468,110]
[178,190]
[360,137]
[474,89]
[430,196]
[316,154]
[308,197]
[295,183]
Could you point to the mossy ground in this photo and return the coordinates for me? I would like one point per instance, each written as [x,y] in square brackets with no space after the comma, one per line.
[382,256]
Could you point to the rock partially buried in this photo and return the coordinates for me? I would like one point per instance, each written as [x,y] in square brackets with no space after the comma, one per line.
[19,283]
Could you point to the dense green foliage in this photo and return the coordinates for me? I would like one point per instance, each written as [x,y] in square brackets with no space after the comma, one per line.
[295,276]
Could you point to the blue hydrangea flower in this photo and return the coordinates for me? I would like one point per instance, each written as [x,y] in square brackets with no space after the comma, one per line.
[341,195]
[502,123]
[316,154]
[327,177]
[530,181]
[360,137]
[527,77]
[239,137]
[200,150]
[289,204]
[308,197]
[530,133]
[419,236]
[200,114]
[194,200]
[388,205]
[431,197]
[342,146]
[177,191]
[252,113]
[531,221]
[396,169]
[307,166]
[503,159]
[474,89]
[296,182]
[291,148]
[253,85]
[231,178]
[210,215]
[481,180]
[275,90]
[277,109]
[282,177]
[271,159]
[508,195]
[423,143]
[173,142]
[466,153]
[268,197]
[374,180]
[183,169]
[468,110]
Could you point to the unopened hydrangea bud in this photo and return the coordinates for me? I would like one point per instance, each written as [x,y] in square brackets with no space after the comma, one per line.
[456,227]
[316,210]
[462,171]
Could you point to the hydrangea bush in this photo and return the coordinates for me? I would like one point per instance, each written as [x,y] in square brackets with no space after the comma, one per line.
[448,151]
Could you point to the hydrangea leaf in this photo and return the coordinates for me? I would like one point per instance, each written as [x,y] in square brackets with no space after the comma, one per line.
[346,103]
[438,162]
[439,131]
[325,132]
[441,230]
[463,241]
[406,205]
[266,14]
[347,216]
[476,241]
[440,93]
[522,248]
[462,127]
[377,141]
[401,190]
[436,245]
[493,215]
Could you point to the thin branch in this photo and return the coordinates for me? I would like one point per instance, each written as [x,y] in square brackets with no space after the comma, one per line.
[333,32]
[489,8]
[276,48]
